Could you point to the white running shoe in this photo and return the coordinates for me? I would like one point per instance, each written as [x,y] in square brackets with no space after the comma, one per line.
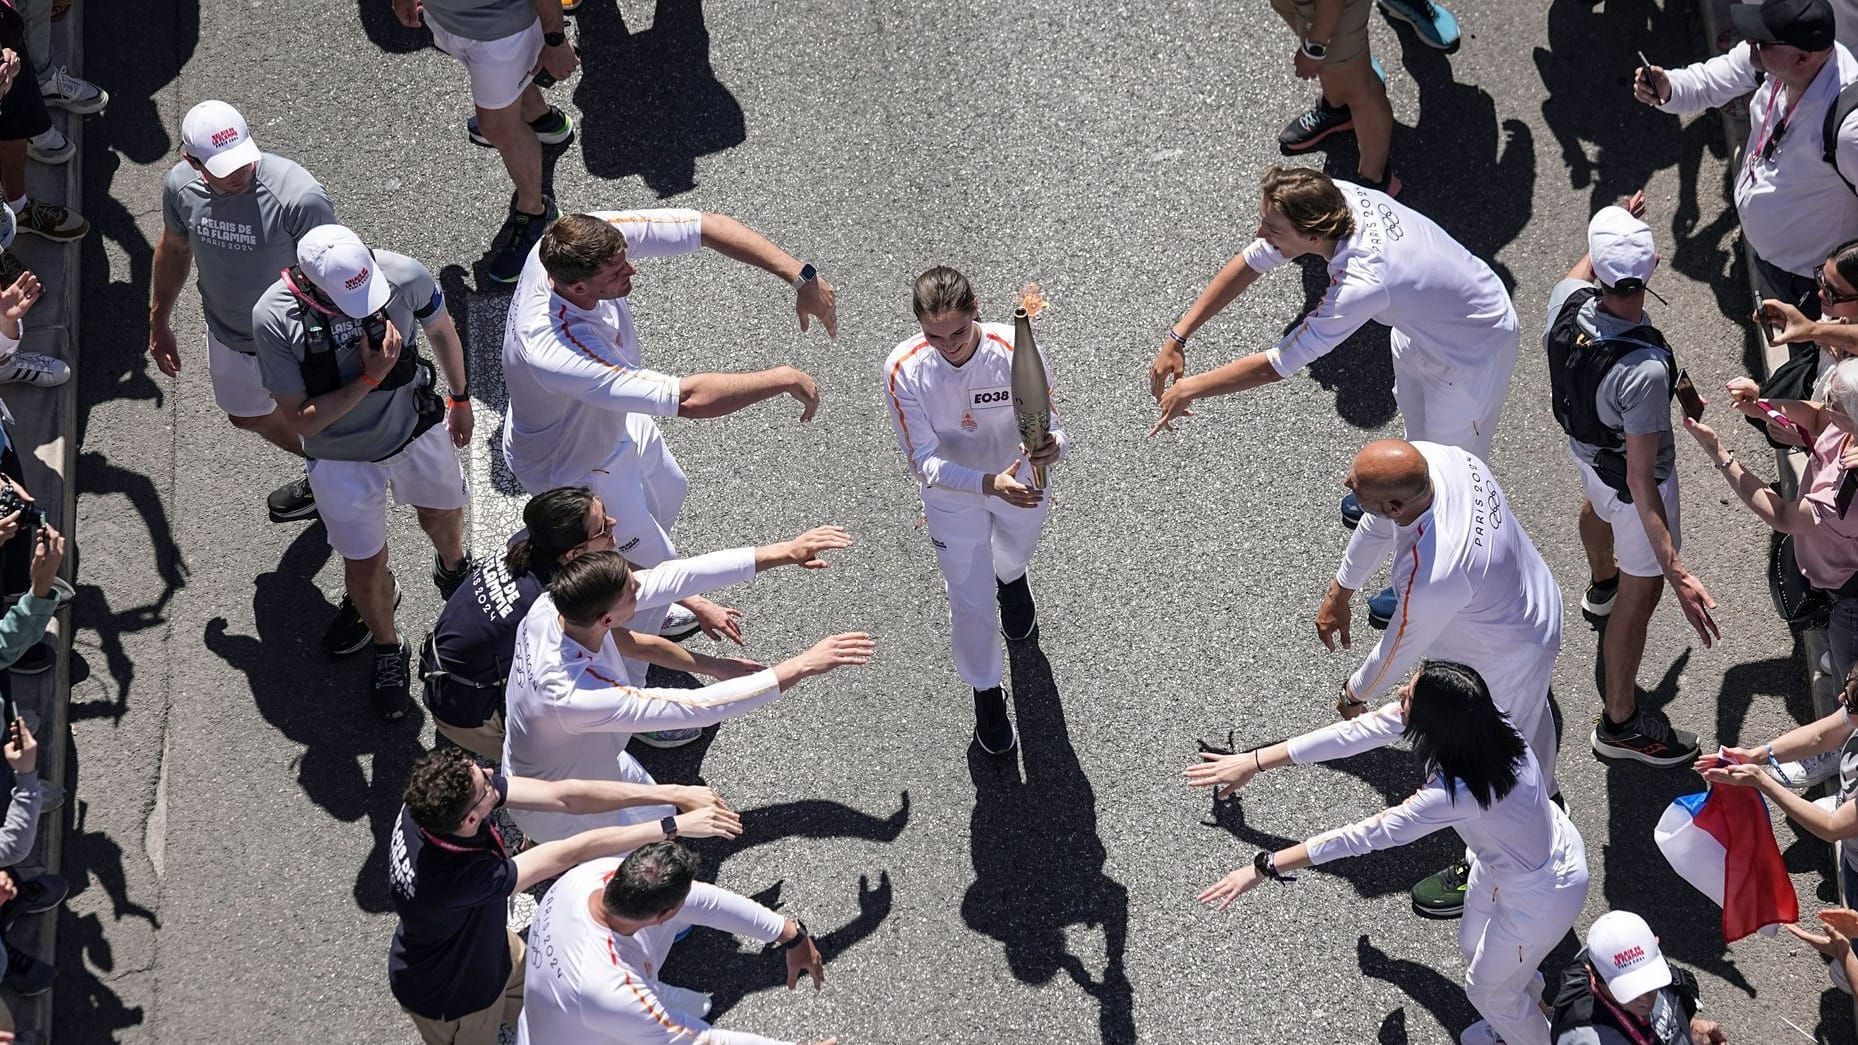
[50,146]
[1808,771]
[1479,1033]
[30,368]
[679,624]
[72,93]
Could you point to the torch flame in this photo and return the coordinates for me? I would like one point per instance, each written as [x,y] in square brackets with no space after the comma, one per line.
[1031,299]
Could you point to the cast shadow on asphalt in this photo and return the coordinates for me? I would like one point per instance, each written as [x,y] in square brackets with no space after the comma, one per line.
[650,102]
[718,963]
[1031,885]
[88,1010]
[353,766]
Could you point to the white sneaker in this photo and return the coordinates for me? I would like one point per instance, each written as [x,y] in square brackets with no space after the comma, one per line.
[679,624]
[1808,771]
[50,146]
[72,93]
[30,368]
[1479,1033]
[684,1000]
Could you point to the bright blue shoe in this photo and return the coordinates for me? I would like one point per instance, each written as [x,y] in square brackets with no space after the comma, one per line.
[1351,511]
[1434,24]
[1375,64]
[1381,606]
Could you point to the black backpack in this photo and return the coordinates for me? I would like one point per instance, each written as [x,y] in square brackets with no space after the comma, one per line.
[1577,363]
[1836,115]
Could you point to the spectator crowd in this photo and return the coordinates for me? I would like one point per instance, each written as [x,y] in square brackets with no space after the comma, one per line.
[343,355]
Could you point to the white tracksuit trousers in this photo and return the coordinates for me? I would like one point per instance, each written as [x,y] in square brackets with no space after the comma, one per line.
[643,489]
[979,539]
[1510,927]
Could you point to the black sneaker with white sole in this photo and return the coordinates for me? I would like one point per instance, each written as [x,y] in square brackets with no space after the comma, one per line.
[993,728]
[510,249]
[1647,738]
[348,633]
[1597,601]
[1019,617]
[388,690]
[36,896]
[291,501]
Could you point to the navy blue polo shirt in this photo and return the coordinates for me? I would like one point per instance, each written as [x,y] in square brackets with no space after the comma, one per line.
[450,955]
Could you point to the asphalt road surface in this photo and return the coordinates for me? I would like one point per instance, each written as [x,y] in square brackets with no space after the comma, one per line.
[234,793]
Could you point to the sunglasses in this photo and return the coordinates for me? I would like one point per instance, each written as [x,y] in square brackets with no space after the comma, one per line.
[1832,296]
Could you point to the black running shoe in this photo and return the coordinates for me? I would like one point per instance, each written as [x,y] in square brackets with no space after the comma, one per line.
[449,581]
[1019,617]
[1597,602]
[1351,510]
[291,501]
[1648,738]
[37,896]
[1322,120]
[347,633]
[993,730]
[37,660]
[26,975]
[388,691]
[509,251]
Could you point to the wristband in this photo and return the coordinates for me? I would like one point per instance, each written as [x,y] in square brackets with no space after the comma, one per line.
[555,39]
[1314,49]
[371,382]
[1265,863]
[460,398]
[1177,339]
[1728,459]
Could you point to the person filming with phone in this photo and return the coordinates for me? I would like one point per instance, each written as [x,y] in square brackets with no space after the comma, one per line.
[1824,519]
[21,628]
[1612,378]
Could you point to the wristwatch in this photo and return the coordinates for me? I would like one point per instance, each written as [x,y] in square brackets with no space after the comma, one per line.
[807,275]
[1314,49]
[462,397]
[669,824]
[800,937]
[555,39]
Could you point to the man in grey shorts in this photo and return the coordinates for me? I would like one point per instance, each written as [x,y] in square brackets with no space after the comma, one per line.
[338,351]
[237,214]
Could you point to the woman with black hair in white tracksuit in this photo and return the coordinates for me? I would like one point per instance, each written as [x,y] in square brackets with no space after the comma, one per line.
[1528,868]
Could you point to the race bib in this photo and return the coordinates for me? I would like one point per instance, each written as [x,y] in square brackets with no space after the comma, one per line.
[990,398]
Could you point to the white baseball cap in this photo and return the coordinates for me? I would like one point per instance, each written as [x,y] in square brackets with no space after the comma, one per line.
[1621,247]
[1625,953]
[215,134]
[343,268]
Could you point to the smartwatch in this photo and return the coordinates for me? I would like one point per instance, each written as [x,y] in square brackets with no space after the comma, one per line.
[800,937]
[669,824]
[462,397]
[555,39]
[807,275]
[1314,50]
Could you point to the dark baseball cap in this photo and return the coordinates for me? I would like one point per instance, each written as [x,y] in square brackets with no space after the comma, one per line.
[1806,24]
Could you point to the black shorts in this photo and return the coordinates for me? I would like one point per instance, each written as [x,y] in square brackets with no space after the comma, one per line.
[22,108]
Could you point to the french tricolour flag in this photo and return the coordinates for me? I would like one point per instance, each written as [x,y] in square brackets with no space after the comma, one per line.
[1720,841]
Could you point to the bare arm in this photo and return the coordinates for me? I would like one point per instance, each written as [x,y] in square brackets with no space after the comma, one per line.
[736,241]
[1239,375]
[654,649]
[545,861]
[174,258]
[1641,479]
[600,796]
[447,349]
[1222,291]
[713,395]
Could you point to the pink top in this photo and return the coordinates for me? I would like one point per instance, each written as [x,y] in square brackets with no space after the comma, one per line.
[1827,553]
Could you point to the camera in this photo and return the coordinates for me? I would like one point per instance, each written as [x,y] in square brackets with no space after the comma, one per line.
[31,516]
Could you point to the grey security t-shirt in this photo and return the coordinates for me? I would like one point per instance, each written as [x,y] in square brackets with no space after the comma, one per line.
[481,19]
[384,418]
[1634,396]
[241,242]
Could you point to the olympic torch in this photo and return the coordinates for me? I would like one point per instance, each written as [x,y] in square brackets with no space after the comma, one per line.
[1032,397]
